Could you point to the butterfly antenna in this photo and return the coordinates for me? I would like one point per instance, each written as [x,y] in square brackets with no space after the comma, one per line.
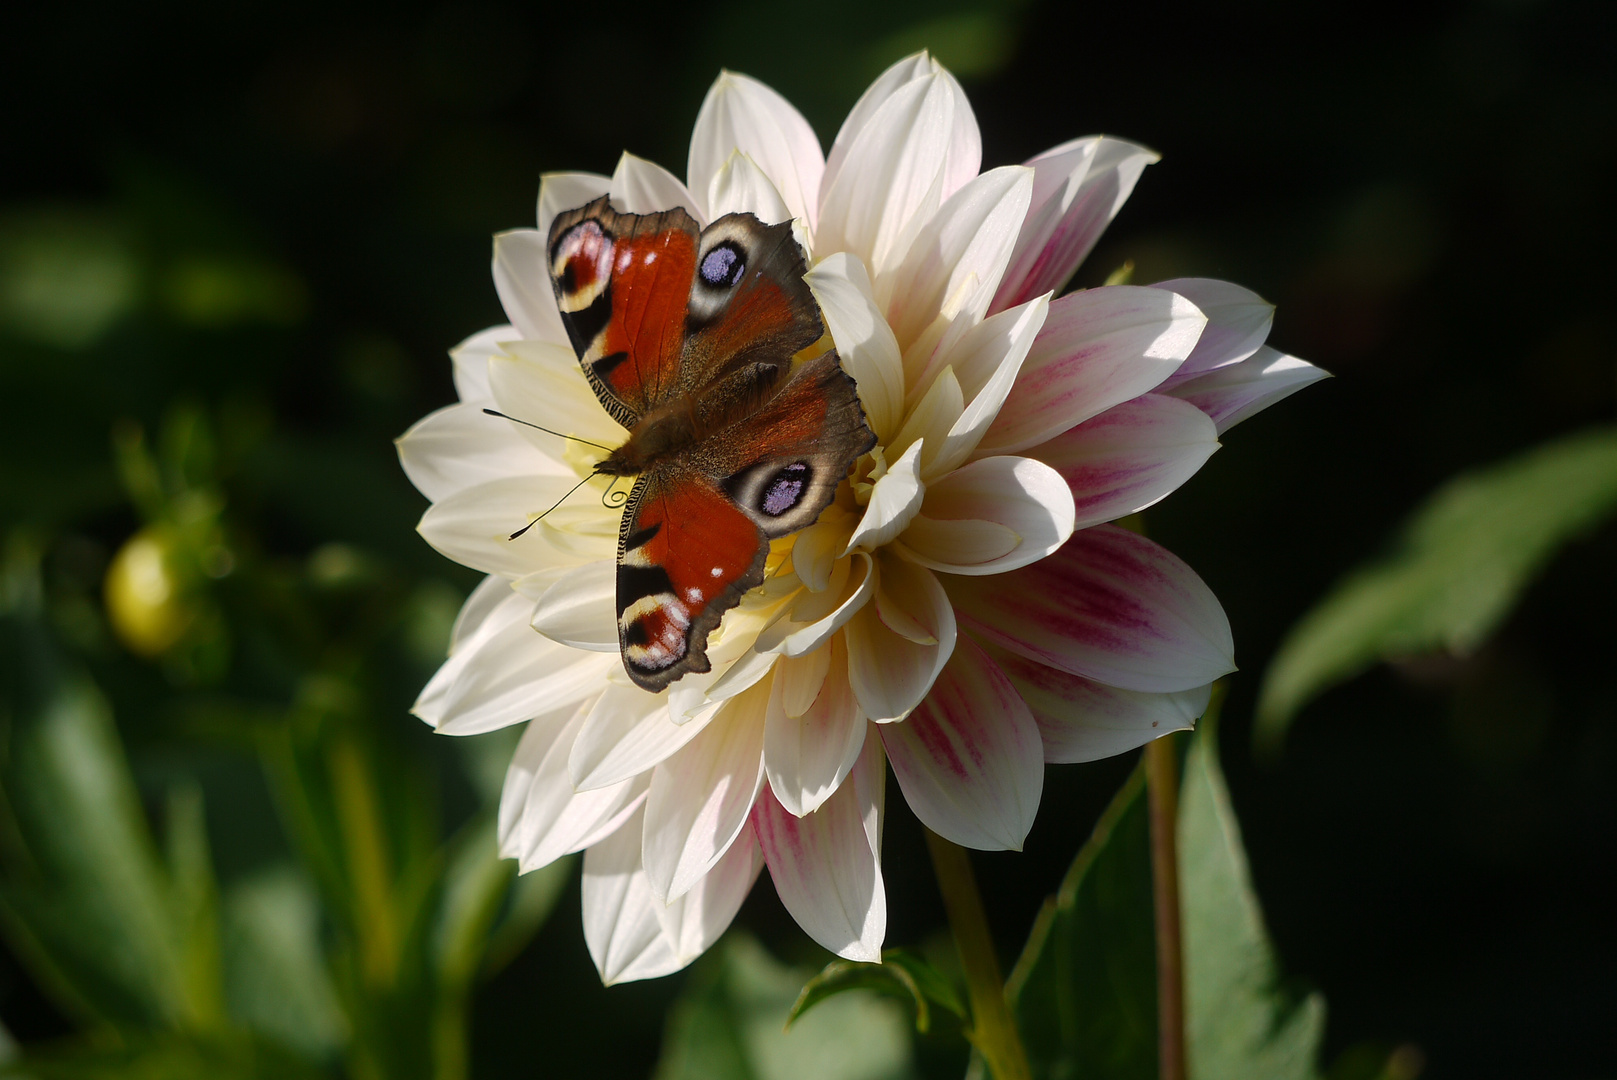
[547,431]
[553,506]
[613,499]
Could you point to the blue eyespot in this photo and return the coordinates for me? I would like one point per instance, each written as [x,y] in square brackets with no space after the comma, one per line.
[785,489]
[723,266]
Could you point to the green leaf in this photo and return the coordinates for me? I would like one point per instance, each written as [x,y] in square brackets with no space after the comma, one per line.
[902,974]
[86,899]
[276,982]
[1241,1021]
[1084,990]
[1464,557]
[730,1025]
[162,1057]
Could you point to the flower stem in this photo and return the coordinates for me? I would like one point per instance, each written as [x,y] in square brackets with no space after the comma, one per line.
[993,1031]
[1162,783]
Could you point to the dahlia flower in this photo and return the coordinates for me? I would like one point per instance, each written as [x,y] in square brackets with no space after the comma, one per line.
[962,612]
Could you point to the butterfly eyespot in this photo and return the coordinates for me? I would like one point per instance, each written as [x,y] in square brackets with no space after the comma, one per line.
[783,491]
[723,267]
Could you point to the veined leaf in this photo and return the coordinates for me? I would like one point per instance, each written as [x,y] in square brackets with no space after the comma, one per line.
[1464,557]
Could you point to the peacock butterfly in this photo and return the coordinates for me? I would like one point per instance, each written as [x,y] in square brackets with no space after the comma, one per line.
[690,339]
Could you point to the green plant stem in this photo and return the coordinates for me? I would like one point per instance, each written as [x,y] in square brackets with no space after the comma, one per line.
[993,1031]
[1162,785]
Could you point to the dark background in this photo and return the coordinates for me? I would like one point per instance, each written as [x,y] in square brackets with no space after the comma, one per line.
[299,200]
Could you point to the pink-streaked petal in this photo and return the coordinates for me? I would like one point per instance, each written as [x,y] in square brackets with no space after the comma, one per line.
[1110,605]
[502,673]
[895,499]
[693,922]
[969,759]
[626,732]
[987,361]
[816,616]
[469,362]
[740,187]
[957,258]
[522,280]
[806,757]
[1078,187]
[541,817]
[891,181]
[474,526]
[1083,720]
[644,187]
[890,671]
[621,927]
[1130,456]
[559,192]
[1097,348]
[1238,321]
[826,866]
[580,609]
[1231,394]
[700,797]
[458,447]
[865,343]
[991,516]
[741,113]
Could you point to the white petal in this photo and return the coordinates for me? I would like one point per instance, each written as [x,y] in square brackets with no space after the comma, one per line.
[522,279]
[627,732]
[621,927]
[956,261]
[700,797]
[1083,720]
[895,499]
[461,446]
[817,548]
[643,187]
[1238,321]
[1097,348]
[1231,394]
[541,817]
[1130,456]
[827,870]
[470,362]
[741,113]
[740,187]
[567,191]
[806,757]
[693,922]
[932,419]
[816,616]
[1078,188]
[969,759]
[800,680]
[504,673]
[890,177]
[986,361]
[865,343]
[990,516]
[580,609]
[474,526]
[538,383]
[890,671]
[479,605]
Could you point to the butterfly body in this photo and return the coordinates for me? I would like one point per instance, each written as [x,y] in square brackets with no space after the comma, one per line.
[691,340]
